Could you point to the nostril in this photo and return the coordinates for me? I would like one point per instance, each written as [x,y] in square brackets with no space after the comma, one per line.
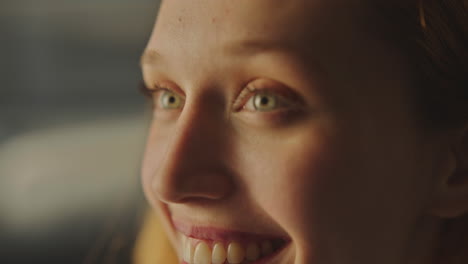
[166,192]
[181,189]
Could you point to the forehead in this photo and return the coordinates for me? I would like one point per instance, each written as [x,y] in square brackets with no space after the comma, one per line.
[329,46]
[214,24]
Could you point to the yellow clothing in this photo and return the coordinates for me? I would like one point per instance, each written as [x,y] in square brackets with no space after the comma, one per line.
[152,245]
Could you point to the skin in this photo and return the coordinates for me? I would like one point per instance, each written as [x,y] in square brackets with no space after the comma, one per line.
[343,170]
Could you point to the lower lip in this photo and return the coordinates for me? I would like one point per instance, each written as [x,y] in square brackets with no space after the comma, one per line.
[263,260]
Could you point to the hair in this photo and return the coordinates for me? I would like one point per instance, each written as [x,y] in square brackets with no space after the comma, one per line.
[433,36]
[443,62]
[437,48]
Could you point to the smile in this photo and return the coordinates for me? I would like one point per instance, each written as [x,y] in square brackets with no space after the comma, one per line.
[202,245]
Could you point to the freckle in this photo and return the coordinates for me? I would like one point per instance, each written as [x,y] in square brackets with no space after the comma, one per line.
[180,19]
[213,20]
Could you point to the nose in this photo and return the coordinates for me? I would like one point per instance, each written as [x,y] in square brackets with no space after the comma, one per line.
[193,167]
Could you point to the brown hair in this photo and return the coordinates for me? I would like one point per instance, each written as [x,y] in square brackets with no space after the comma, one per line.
[433,35]
[443,66]
[441,63]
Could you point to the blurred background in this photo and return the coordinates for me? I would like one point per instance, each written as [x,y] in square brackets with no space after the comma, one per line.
[72,129]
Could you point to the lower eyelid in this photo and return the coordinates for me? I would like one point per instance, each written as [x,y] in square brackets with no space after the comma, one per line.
[276,118]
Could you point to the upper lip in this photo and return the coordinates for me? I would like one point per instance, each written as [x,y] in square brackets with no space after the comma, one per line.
[221,234]
[210,231]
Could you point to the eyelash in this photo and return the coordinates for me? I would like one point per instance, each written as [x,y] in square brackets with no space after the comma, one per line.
[242,98]
[145,91]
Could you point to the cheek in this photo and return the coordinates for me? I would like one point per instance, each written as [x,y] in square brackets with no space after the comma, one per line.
[285,174]
[333,189]
[153,157]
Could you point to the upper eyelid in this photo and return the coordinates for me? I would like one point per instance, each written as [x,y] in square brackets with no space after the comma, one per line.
[159,87]
[277,88]
[252,89]
[164,85]
[150,90]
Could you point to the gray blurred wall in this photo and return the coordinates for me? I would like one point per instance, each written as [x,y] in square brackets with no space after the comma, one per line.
[72,127]
[69,57]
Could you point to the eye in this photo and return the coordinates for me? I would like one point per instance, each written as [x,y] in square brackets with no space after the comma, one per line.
[170,100]
[162,97]
[262,102]
[268,96]
[265,102]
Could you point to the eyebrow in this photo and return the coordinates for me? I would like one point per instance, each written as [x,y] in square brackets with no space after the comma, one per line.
[240,48]
[251,47]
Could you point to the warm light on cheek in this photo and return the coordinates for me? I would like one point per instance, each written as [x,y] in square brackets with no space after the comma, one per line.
[147,177]
[152,160]
[286,174]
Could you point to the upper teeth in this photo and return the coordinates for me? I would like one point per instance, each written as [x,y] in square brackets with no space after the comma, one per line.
[236,253]
[218,255]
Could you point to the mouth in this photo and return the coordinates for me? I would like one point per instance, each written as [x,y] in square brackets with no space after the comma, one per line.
[206,245]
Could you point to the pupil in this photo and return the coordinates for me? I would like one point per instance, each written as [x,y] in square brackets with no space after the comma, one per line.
[172,99]
[264,101]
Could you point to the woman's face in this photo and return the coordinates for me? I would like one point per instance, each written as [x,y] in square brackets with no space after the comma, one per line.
[284,131]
